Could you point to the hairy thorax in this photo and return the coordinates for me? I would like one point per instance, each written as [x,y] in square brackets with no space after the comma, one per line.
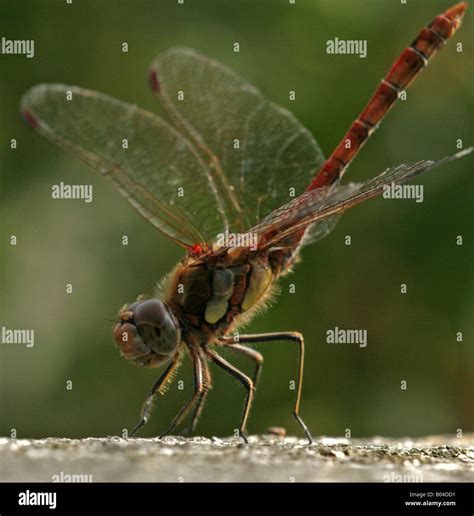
[212,296]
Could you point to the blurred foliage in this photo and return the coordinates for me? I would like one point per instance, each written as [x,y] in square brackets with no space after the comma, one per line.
[411,337]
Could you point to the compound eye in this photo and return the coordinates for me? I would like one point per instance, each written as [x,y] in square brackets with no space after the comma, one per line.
[132,306]
[156,326]
[151,312]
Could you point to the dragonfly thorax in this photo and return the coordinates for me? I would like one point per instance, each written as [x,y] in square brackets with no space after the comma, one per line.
[210,294]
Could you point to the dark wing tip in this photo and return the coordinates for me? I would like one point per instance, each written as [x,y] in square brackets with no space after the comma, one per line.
[29,118]
[153,80]
[28,102]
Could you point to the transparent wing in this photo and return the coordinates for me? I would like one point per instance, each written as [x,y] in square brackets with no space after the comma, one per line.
[326,203]
[260,154]
[154,167]
[320,229]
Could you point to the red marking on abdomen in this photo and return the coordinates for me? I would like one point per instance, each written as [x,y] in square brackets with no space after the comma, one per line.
[402,73]
[30,119]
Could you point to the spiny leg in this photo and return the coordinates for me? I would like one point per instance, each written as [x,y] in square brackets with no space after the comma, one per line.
[148,404]
[207,386]
[257,357]
[244,380]
[295,337]
[231,344]
[198,390]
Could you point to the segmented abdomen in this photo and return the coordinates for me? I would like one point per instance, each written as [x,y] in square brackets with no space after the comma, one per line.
[402,73]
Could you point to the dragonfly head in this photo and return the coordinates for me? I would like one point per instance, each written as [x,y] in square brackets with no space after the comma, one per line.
[147,333]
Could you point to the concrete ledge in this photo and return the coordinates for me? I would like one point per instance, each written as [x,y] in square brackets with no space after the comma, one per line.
[266,458]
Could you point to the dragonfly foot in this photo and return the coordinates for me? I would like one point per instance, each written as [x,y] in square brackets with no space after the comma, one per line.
[305,429]
[244,437]
[138,426]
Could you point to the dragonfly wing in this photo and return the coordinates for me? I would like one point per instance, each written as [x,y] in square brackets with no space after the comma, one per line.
[260,153]
[319,229]
[157,170]
[317,206]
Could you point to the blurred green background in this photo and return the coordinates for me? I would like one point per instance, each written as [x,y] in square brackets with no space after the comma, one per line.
[411,337]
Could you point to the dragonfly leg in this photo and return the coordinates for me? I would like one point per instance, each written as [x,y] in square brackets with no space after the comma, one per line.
[257,357]
[271,337]
[207,386]
[244,380]
[148,404]
[198,391]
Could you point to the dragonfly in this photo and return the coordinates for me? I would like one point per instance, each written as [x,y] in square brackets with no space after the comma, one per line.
[236,181]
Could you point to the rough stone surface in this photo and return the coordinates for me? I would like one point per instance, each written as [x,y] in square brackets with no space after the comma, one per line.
[266,458]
